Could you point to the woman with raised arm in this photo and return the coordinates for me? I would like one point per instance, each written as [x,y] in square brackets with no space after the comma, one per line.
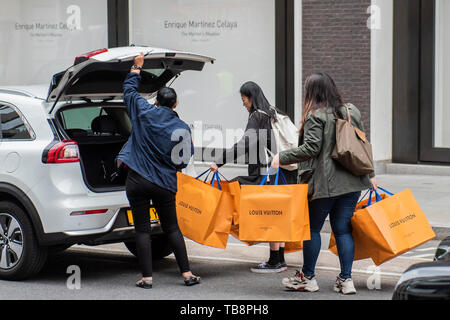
[153,165]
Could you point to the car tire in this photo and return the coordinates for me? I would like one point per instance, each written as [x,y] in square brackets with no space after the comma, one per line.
[21,256]
[160,247]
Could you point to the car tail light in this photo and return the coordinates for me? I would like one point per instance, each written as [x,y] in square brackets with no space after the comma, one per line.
[62,152]
[88,55]
[87,212]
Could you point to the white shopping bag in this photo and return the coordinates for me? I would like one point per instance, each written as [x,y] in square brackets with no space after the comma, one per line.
[190,169]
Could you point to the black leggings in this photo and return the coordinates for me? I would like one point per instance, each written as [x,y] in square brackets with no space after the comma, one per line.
[139,192]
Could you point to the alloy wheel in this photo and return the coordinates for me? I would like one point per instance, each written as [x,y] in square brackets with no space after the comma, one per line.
[11,241]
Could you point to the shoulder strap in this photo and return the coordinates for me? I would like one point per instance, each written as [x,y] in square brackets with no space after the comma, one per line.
[263,112]
[349,119]
[347,111]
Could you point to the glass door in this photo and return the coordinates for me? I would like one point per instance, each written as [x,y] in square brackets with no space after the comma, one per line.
[41,38]
[435,82]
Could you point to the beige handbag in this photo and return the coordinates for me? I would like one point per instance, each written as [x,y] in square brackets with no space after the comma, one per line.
[353,151]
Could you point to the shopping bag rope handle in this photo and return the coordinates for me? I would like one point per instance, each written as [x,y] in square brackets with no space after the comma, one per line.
[264,180]
[224,178]
[361,199]
[384,190]
[203,173]
[283,177]
[378,198]
[207,177]
[281,174]
[369,203]
[216,178]
[209,172]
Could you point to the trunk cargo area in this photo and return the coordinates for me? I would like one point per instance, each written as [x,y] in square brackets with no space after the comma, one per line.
[101,133]
[98,162]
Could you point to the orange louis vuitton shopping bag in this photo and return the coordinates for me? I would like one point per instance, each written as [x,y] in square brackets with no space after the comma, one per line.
[274,213]
[391,226]
[204,213]
[360,252]
[234,189]
[289,246]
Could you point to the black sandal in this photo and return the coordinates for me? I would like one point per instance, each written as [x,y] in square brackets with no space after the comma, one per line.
[145,284]
[190,281]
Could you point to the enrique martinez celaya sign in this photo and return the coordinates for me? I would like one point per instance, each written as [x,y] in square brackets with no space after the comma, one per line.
[201,28]
[50,27]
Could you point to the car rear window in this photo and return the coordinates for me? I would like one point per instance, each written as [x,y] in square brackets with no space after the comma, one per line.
[95,121]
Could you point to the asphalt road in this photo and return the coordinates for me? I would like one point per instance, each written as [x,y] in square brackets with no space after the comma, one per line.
[109,272]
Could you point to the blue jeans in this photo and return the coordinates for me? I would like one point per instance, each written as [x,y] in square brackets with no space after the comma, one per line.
[341,210]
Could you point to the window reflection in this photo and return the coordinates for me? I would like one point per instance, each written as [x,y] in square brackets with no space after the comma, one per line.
[12,126]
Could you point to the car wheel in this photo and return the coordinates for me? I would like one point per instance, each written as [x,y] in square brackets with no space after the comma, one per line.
[160,247]
[21,256]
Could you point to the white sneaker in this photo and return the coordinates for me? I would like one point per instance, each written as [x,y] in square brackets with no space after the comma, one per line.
[344,286]
[301,283]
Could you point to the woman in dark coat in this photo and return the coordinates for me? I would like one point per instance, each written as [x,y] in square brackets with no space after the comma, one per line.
[254,144]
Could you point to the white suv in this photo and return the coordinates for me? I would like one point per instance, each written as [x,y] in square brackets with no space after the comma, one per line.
[58,181]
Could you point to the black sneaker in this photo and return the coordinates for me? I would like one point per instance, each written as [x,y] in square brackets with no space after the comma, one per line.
[265,267]
[191,281]
[283,266]
[144,284]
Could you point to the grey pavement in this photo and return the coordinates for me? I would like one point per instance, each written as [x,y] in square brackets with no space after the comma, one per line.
[109,272]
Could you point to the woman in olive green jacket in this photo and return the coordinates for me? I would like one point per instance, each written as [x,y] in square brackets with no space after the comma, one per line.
[331,188]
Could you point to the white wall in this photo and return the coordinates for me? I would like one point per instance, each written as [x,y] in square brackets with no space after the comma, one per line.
[298,61]
[382,81]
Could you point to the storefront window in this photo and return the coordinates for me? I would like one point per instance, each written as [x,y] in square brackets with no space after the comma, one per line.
[39,38]
[239,34]
[442,83]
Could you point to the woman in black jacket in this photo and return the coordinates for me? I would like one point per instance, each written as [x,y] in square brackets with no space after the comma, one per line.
[257,138]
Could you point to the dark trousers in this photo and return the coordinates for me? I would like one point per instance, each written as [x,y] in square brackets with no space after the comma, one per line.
[341,210]
[139,192]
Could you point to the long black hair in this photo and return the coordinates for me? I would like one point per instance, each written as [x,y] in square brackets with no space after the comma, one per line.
[320,92]
[259,100]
